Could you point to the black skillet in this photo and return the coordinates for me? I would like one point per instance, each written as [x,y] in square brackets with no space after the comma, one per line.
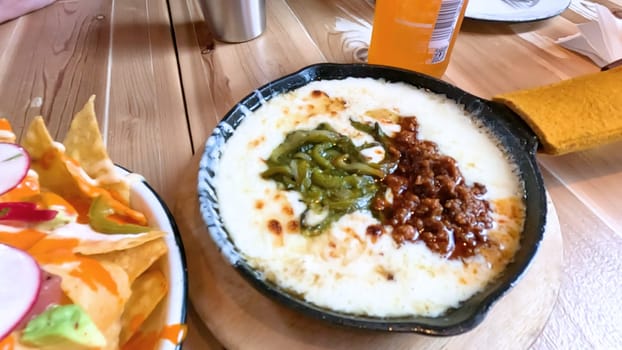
[514,136]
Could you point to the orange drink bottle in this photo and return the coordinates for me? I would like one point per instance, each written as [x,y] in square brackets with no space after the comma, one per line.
[416,34]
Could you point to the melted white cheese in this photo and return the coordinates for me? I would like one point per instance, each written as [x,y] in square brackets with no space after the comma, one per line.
[343,269]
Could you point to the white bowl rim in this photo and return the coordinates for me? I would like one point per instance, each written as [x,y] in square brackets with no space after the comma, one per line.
[176,258]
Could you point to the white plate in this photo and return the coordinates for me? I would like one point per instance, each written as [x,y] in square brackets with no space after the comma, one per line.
[498,10]
[173,309]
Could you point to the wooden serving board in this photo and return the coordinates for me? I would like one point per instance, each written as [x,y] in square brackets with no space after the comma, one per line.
[242,318]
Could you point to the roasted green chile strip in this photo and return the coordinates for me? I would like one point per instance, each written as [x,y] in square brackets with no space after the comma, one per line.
[329,171]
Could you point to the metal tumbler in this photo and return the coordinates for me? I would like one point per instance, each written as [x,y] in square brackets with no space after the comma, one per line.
[236,21]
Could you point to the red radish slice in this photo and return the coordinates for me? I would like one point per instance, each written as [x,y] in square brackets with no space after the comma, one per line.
[25,211]
[50,293]
[14,162]
[20,281]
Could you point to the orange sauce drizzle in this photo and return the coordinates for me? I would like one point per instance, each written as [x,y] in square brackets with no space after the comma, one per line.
[175,333]
[125,213]
[5,125]
[143,341]
[120,219]
[82,205]
[50,199]
[48,158]
[54,250]
[91,272]
[60,251]
[7,343]
[135,322]
[22,239]
[29,187]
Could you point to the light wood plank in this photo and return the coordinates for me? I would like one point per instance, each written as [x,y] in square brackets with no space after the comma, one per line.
[214,81]
[493,58]
[51,63]
[57,57]
[148,131]
[340,28]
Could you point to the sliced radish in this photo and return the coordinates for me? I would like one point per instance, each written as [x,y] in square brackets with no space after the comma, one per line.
[25,211]
[14,162]
[50,293]
[20,281]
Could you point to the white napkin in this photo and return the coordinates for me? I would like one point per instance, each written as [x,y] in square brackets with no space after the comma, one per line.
[600,40]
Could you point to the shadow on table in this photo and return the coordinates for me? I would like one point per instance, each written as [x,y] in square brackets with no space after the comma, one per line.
[492,28]
[601,165]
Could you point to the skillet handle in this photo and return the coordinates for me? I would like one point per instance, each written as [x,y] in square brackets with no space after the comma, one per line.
[516,125]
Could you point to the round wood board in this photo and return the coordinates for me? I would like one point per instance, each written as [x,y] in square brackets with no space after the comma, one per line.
[242,318]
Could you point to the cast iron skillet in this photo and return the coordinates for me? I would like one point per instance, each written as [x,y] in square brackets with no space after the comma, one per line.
[513,135]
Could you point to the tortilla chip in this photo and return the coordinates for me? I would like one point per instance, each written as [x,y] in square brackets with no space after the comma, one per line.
[54,175]
[147,292]
[135,260]
[48,161]
[111,243]
[104,307]
[85,144]
[61,175]
[37,140]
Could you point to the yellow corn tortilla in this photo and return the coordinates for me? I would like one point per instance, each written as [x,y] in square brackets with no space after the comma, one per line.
[147,291]
[572,115]
[85,144]
[101,246]
[135,260]
[37,140]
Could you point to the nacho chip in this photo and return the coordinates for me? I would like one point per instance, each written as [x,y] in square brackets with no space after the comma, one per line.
[37,140]
[63,175]
[110,243]
[85,144]
[49,161]
[147,291]
[55,176]
[104,306]
[135,260]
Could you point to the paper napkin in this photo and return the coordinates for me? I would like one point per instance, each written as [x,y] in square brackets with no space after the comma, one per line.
[600,40]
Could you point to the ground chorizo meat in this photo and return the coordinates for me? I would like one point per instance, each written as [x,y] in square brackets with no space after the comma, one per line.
[430,200]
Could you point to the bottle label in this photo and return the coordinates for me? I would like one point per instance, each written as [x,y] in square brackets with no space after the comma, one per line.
[443,29]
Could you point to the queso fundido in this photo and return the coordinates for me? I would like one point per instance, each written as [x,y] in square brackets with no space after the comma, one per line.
[344,186]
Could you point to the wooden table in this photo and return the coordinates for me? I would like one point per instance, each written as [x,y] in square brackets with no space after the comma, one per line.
[160,92]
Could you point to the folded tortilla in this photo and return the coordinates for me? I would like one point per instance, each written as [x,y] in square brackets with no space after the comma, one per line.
[572,115]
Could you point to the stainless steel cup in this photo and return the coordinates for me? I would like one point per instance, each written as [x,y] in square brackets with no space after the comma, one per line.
[236,21]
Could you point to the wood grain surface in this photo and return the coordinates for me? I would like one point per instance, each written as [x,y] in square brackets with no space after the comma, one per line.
[52,60]
[217,79]
[242,318]
[160,91]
